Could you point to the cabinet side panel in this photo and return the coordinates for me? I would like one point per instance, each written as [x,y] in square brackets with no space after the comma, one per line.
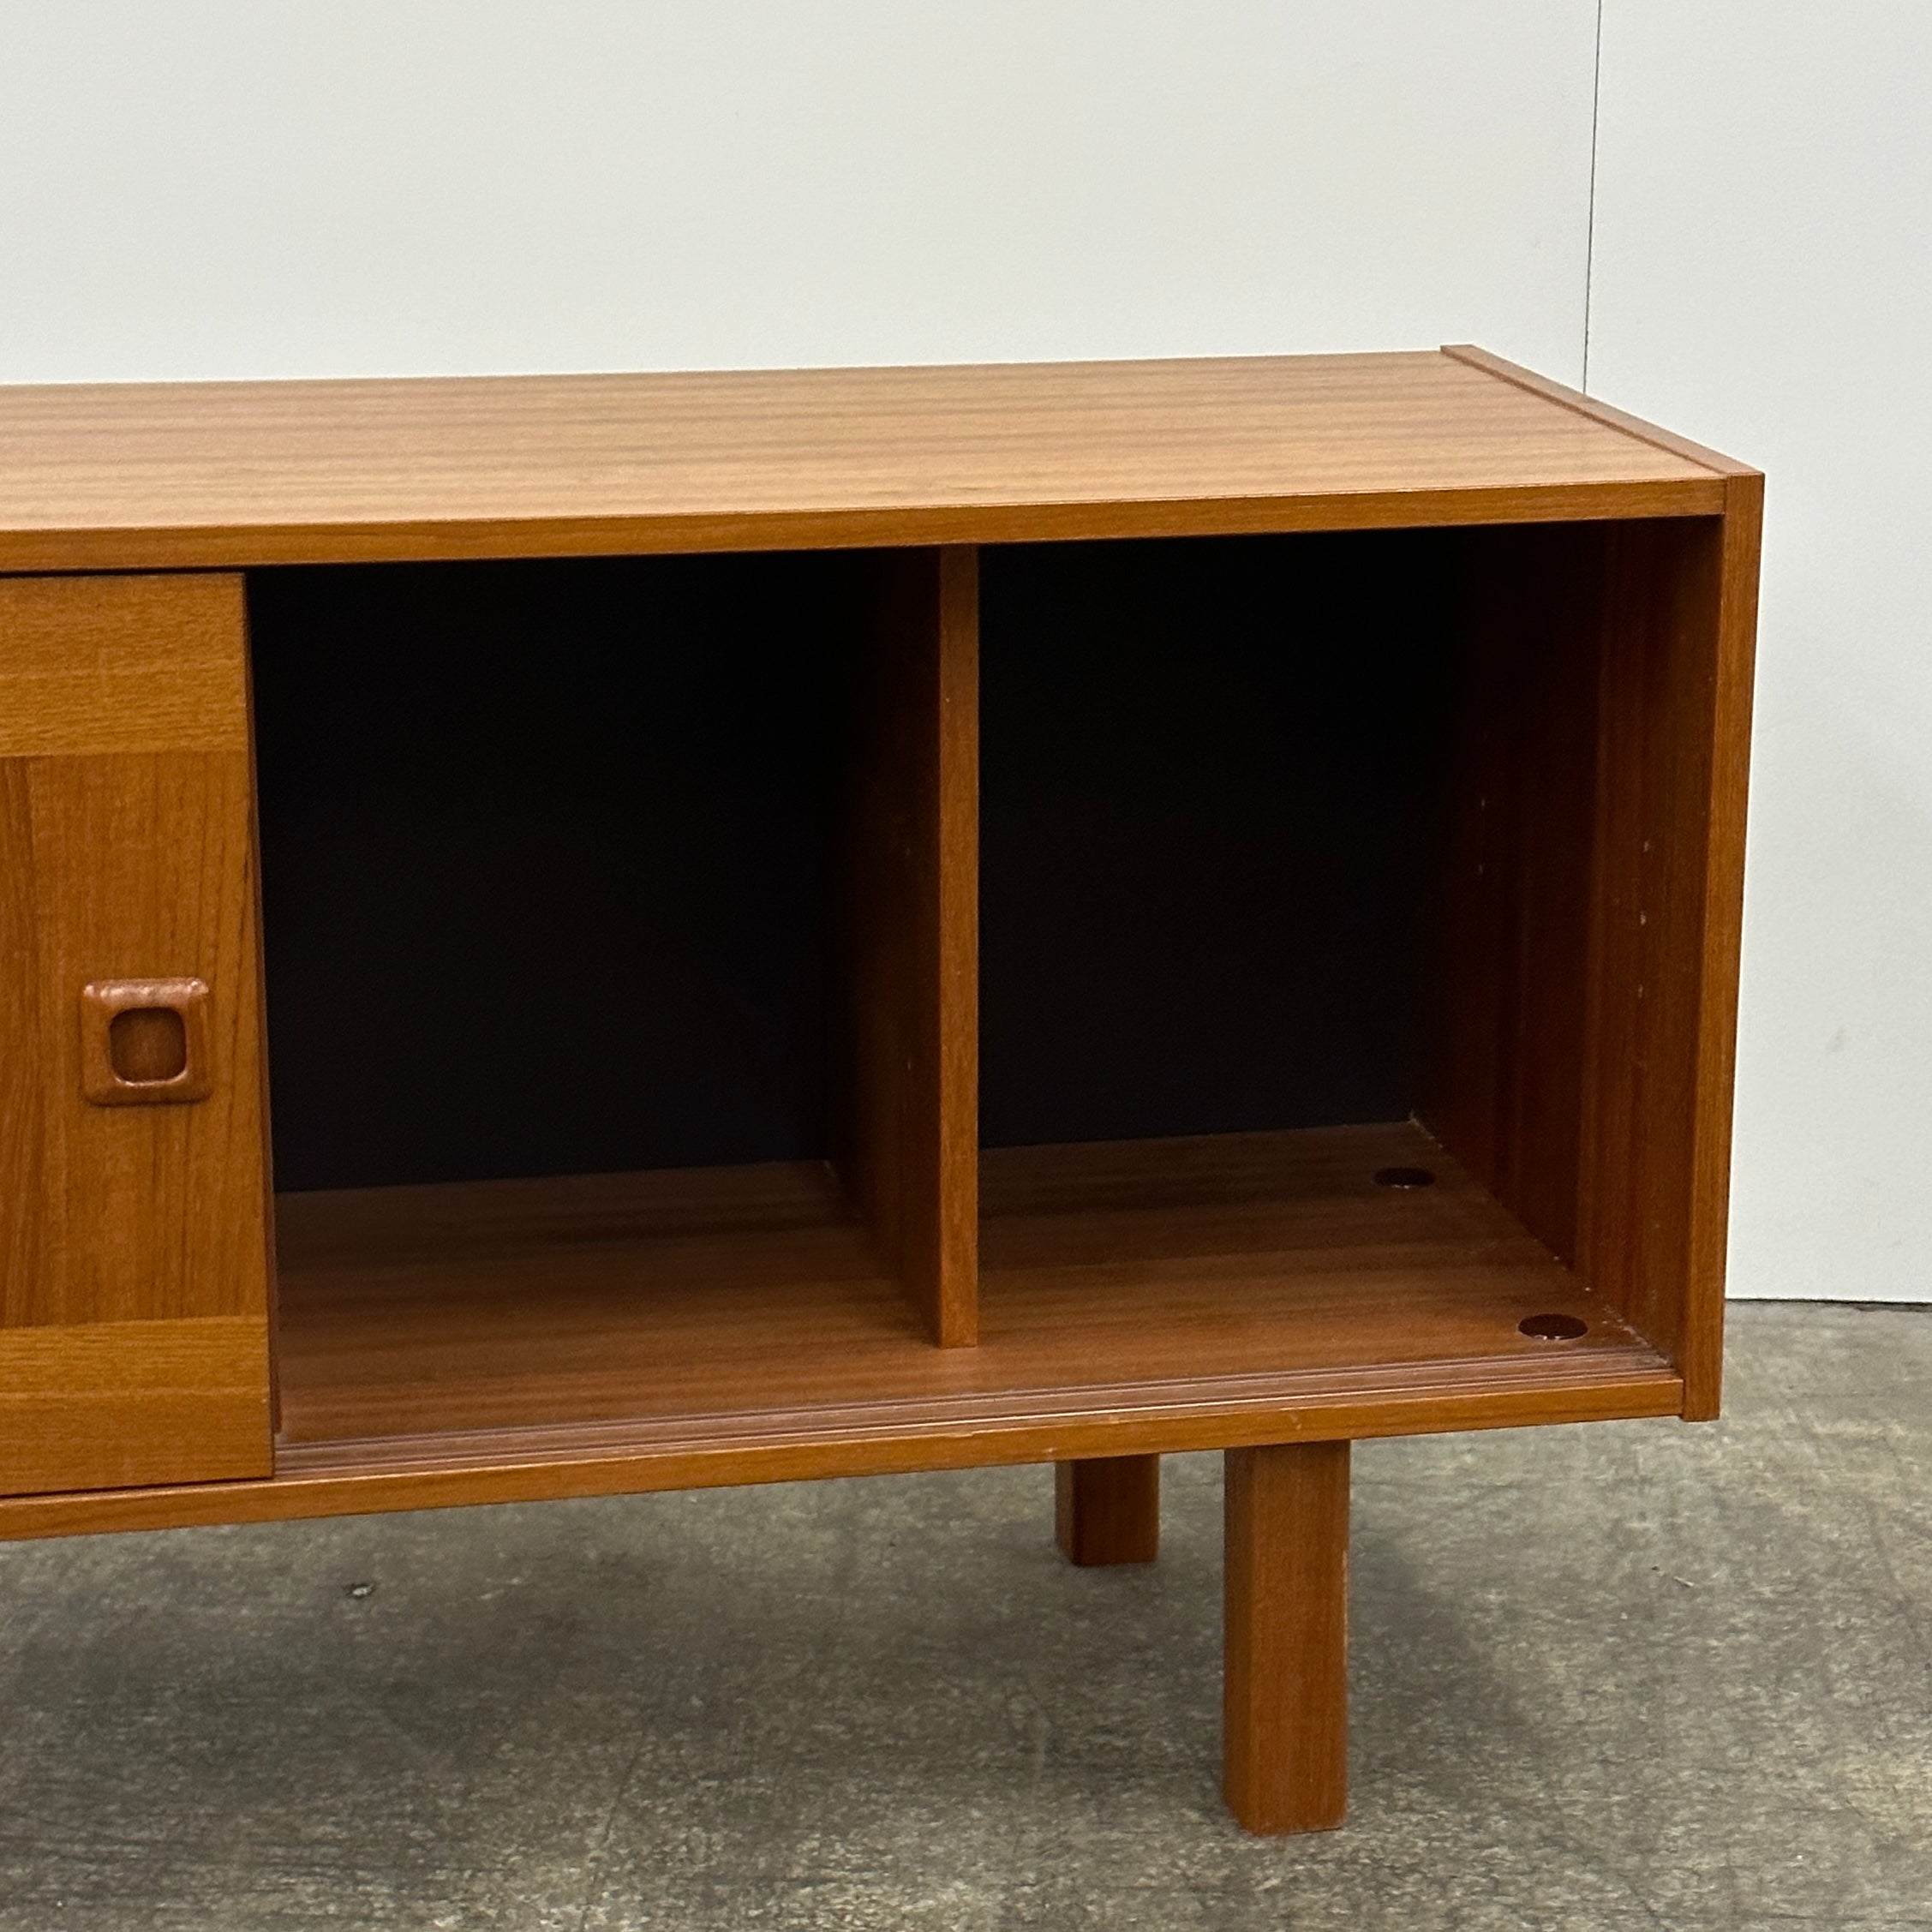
[1505,1086]
[908,1137]
[1732,679]
[137,1235]
[1592,890]
[1679,626]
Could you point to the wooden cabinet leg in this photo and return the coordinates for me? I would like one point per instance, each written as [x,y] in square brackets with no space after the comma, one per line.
[1107,1509]
[1286,1736]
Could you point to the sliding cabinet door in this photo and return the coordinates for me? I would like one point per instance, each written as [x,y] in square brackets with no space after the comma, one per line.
[134,1267]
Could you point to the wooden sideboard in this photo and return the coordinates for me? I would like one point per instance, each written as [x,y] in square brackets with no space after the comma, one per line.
[787,924]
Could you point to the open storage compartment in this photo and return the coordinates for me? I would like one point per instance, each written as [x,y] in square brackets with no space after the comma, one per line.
[623,942]
[1330,885]
[598,899]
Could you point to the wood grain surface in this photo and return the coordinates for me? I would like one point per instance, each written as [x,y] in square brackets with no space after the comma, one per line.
[1138,1263]
[1505,1088]
[907,1105]
[125,853]
[1725,679]
[1285,1675]
[1598,410]
[464,1345]
[1679,629]
[117,1403]
[1107,1510]
[1584,1040]
[154,664]
[141,476]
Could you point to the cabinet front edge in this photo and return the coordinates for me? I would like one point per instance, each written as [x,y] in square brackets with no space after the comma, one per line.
[57,552]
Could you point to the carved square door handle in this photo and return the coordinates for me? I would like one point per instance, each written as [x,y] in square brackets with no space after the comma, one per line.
[145,1041]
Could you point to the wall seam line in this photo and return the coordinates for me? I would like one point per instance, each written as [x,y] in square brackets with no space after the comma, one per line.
[1590,221]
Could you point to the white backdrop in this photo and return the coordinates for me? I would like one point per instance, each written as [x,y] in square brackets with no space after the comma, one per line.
[264,188]
[1764,280]
[231,188]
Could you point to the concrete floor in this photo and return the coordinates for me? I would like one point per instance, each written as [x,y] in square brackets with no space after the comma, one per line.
[1634,1675]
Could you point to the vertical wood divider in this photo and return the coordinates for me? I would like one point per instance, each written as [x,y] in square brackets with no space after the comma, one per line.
[1285,1740]
[908,1116]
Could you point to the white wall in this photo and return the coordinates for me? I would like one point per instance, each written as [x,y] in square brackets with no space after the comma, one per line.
[1762,280]
[261,188]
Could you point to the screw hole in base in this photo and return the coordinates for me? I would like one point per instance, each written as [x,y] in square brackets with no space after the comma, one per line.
[1405,1177]
[1552,1328]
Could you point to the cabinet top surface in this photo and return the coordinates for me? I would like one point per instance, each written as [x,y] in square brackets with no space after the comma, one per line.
[182,475]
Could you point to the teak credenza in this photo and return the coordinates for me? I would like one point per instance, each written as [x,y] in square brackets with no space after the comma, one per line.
[833,922]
